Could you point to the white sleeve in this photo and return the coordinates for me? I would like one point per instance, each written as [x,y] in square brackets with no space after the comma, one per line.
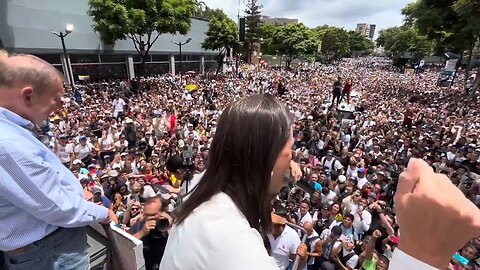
[352,262]
[295,243]
[402,261]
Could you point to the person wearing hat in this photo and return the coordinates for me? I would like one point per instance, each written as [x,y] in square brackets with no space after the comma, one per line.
[322,218]
[100,199]
[331,163]
[361,177]
[64,150]
[285,243]
[84,151]
[130,134]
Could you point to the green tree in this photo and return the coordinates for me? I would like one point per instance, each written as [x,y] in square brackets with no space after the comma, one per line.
[470,11]
[252,25]
[294,40]
[440,22]
[334,43]
[222,35]
[359,44]
[452,24]
[140,21]
[267,33]
[399,40]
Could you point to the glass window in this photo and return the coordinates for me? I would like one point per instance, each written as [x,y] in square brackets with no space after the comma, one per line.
[211,66]
[159,58]
[83,58]
[177,57]
[112,58]
[100,72]
[152,69]
[51,58]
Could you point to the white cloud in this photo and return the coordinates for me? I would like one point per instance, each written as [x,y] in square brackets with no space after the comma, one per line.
[342,13]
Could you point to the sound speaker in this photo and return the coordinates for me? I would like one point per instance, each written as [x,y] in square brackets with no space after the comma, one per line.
[241,29]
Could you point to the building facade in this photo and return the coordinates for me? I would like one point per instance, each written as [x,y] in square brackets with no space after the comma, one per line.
[367,30]
[26,26]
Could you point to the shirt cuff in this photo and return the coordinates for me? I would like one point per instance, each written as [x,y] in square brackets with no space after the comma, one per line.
[97,212]
[401,261]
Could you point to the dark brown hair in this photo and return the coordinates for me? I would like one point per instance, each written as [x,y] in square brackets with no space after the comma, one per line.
[250,135]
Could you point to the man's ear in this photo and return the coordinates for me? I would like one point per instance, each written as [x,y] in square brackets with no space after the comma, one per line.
[27,95]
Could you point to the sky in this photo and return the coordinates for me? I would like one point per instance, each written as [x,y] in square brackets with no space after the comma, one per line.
[341,13]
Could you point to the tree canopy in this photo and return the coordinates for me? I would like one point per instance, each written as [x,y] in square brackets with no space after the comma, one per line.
[360,44]
[222,35]
[141,21]
[293,41]
[399,40]
[334,42]
[444,21]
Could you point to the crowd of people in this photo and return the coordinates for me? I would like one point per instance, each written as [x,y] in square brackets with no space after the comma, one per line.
[118,137]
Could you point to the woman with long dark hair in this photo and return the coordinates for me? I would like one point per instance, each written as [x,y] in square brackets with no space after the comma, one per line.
[222,223]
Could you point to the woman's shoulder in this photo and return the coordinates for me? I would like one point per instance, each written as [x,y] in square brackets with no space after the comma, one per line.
[216,234]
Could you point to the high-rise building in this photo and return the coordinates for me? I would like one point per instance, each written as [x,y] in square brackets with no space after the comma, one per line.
[278,21]
[368,30]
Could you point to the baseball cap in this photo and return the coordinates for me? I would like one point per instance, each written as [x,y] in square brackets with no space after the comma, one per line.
[330,152]
[63,136]
[90,166]
[372,195]
[96,190]
[113,173]
[342,179]
[82,138]
[77,161]
[361,170]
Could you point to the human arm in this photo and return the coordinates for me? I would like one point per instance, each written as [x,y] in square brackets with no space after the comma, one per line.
[334,256]
[32,184]
[145,229]
[366,220]
[422,191]
[371,245]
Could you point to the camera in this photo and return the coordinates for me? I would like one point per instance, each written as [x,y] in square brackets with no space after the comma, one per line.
[187,155]
[162,225]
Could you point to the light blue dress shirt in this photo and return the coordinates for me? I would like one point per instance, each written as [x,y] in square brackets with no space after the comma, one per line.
[38,193]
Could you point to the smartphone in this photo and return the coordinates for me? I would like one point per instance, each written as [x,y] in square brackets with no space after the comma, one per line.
[459,258]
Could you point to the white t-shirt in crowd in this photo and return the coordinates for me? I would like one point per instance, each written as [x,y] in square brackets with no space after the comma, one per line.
[118,105]
[106,142]
[312,243]
[148,192]
[327,198]
[331,164]
[64,152]
[83,151]
[284,246]
[191,185]
[353,261]
[306,218]
[361,182]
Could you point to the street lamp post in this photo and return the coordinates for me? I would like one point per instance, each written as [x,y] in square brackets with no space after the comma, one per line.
[180,44]
[61,35]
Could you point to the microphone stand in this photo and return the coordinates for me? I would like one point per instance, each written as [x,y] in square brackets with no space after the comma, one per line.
[304,238]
